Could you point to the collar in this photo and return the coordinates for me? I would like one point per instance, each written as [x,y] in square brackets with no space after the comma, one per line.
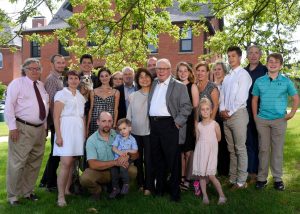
[27,79]
[82,74]
[132,86]
[279,76]
[232,71]
[111,134]
[166,82]
[56,74]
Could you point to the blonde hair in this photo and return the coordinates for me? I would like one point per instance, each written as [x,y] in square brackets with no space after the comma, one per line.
[204,101]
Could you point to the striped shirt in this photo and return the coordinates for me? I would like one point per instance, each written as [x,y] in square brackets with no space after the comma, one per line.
[53,84]
[273,95]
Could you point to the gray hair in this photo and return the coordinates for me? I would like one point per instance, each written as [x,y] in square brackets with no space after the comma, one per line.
[27,62]
[223,64]
[164,60]
[127,68]
[254,46]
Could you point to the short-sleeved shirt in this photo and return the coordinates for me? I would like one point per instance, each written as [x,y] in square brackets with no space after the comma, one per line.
[99,149]
[273,95]
[122,144]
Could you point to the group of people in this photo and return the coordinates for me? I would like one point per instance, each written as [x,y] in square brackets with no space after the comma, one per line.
[167,124]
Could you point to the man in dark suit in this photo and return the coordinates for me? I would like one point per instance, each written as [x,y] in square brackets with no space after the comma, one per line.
[125,90]
[169,107]
[255,69]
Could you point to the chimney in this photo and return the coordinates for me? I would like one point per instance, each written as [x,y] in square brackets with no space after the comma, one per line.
[39,21]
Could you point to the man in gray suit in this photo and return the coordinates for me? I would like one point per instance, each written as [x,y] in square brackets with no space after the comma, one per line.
[169,107]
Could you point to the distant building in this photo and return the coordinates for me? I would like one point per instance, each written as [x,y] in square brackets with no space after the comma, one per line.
[187,49]
[10,62]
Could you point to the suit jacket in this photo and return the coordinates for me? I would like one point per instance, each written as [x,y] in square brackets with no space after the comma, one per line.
[177,100]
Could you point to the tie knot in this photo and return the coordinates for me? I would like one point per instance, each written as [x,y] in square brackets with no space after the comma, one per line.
[35,82]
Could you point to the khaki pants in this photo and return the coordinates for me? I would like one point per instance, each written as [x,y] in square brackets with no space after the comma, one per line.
[92,179]
[235,129]
[271,134]
[24,161]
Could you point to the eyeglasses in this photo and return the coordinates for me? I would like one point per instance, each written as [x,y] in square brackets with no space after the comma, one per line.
[115,78]
[162,69]
[33,69]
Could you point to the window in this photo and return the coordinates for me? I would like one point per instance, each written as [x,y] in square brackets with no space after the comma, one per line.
[151,47]
[35,49]
[186,43]
[68,7]
[62,50]
[1,60]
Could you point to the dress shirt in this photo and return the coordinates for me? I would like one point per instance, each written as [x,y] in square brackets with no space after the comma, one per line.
[127,91]
[235,90]
[21,102]
[158,105]
[53,84]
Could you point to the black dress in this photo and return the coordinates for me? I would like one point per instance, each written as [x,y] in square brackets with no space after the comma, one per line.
[189,144]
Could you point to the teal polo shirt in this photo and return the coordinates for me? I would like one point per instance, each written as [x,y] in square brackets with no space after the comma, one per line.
[273,95]
[99,149]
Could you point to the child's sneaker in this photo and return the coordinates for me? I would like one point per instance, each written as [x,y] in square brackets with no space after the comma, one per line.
[114,193]
[197,188]
[125,189]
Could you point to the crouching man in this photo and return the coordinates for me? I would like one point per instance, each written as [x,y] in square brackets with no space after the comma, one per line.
[100,157]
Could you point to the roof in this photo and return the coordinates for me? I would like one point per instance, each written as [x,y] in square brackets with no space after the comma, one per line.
[177,15]
[58,21]
[17,40]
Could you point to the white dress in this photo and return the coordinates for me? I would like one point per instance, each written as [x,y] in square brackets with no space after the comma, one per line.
[71,123]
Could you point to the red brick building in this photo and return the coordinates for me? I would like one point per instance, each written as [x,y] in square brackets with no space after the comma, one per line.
[10,62]
[188,49]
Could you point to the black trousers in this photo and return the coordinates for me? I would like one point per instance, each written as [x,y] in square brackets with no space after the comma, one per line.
[50,177]
[252,146]
[223,153]
[165,155]
[143,163]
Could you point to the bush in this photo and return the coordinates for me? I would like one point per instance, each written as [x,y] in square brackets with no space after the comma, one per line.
[2,90]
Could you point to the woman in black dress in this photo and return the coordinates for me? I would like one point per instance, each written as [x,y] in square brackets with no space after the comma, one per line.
[184,73]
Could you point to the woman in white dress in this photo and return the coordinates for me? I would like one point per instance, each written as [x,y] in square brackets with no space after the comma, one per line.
[69,132]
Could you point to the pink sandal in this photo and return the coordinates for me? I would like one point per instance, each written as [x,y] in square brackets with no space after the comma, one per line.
[197,188]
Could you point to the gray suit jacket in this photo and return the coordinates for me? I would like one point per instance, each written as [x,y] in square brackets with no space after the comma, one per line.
[177,100]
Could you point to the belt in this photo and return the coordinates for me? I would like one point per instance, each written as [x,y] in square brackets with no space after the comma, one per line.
[157,118]
[29,124]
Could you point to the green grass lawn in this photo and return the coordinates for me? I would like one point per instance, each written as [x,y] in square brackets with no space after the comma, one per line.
[3,129]
[243,201]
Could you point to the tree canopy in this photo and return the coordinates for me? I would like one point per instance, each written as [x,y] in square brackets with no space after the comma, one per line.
[120,31]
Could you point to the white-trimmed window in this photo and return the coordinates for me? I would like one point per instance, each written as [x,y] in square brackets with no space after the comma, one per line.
[186,43]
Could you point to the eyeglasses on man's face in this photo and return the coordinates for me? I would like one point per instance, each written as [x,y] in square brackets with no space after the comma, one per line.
[161,69]
[33,68]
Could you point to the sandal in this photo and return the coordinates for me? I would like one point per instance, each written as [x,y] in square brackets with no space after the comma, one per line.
[184,187]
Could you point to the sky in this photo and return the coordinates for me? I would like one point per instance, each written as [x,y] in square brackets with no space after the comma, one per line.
[12,8]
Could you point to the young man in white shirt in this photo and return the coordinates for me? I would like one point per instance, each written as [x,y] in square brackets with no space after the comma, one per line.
[233,97]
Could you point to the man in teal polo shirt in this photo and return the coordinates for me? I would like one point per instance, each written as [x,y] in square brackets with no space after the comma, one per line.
[100,156]
[273,90]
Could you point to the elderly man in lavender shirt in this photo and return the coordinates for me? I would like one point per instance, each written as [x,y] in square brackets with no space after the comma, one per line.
[25,113]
